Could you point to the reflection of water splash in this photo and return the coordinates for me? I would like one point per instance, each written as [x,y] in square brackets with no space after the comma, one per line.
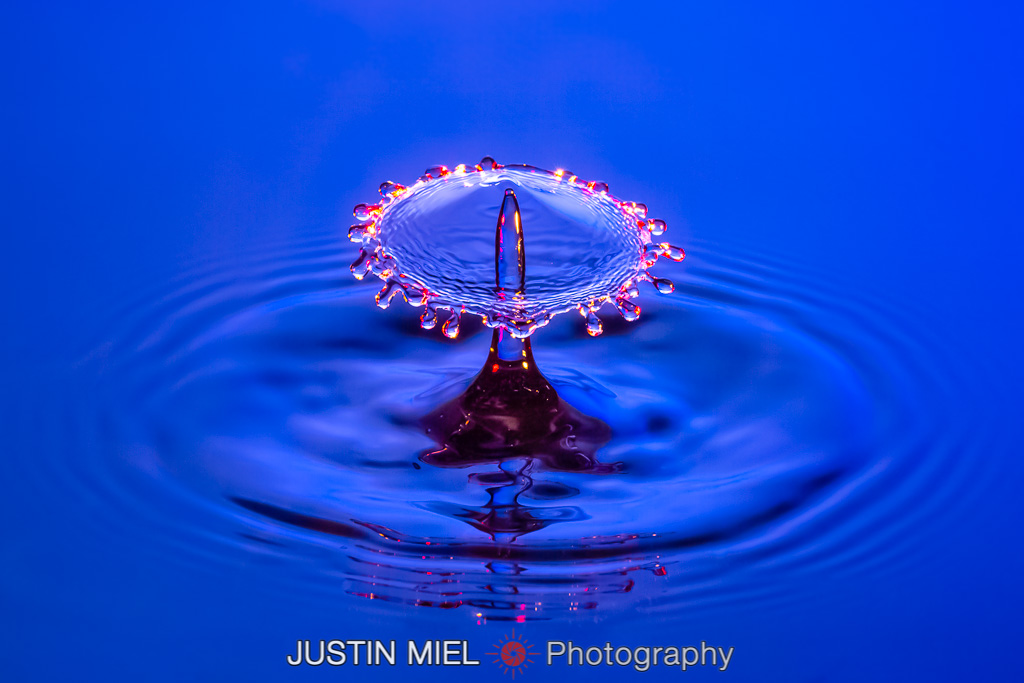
[504,582]
[424,242]
[503,517]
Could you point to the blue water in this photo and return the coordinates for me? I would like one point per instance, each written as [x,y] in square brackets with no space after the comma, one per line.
[215,441]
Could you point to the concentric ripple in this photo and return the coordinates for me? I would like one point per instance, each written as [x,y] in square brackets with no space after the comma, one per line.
[762,428]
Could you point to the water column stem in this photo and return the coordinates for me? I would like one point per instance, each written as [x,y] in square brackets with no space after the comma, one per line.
[510,280]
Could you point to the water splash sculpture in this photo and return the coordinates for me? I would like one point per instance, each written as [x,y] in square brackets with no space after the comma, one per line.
[510,414]
[424,241]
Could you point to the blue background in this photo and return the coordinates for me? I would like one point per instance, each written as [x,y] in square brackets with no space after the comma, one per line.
[880,142]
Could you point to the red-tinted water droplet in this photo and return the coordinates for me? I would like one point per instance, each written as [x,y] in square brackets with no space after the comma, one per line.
[451,325]
[357,232]
[361,265]
[627,309]
[672,252]
[389,291]
[594,326]
[364,212]
[429,317]
[664,285]
[390,189]
[635,208]
[651,254]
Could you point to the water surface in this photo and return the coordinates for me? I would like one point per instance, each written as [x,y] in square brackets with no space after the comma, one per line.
[761,428]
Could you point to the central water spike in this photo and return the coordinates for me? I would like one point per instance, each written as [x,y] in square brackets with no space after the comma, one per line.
[509,235]
[510,411]
[509,283]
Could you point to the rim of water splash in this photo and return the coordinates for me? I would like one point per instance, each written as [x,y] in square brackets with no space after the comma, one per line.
[374,258]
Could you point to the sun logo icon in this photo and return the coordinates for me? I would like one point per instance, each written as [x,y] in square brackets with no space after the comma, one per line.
[513,654]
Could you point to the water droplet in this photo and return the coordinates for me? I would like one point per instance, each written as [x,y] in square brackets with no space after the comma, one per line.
[437,171]
[429,318]
[651,254]
[361,265]
[451,325]
[389,291]
[672,252]
[488,164]
[630,290]
[664,285]
[657,226]
[627,309]
[636,208]
[358,232]
[365,212]
[379,266]
[594,326]
[598,187]
[389,189]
